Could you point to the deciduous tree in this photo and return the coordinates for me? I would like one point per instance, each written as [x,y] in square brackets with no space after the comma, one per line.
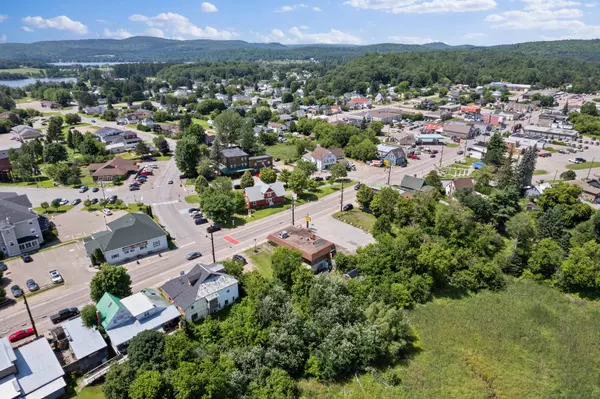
[268,175]
[247,180]
[112,279]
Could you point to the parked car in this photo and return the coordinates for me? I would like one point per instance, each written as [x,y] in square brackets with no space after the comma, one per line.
[200,220]
[3,267]
[347,207]
[112,199]
[193,255]
[460,152]
[83,189]
[64,202]
[93,121]
[318,178]
[196,213]
[26,258]
[94,201]
[213,228]
[192,210]
[64,314]
[76,201]
[170,182]
[16,291]
[580,159]
[432,156]
[55,276]
[573,160]
[107,212]
[21,334]
[239,258]
[95,189]
[32,285]
[134,188]
[237,187]
[357,187]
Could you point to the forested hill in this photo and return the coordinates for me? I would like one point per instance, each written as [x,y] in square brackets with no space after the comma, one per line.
[470,67]
[152,49]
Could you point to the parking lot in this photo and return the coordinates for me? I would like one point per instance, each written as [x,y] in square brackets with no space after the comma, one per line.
[69,260]
[78,223]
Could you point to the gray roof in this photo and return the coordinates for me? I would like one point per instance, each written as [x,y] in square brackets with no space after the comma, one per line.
[7,354]
[200,282]
[14,208]
[38,368]
[257,192]
[82,340]
[108,131]
[411,183]
[233,152]
[126,230]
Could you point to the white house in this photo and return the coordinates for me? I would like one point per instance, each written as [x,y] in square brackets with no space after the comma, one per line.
[20,227]
[128,237]
[205,289]
[321,157]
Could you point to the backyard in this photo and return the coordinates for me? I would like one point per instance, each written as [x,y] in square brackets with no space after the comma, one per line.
[262,259]
[286,152]
[357,218]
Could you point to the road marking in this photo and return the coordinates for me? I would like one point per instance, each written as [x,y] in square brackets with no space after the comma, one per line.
[166,203]
[189,243]
[183,211]
[231,240]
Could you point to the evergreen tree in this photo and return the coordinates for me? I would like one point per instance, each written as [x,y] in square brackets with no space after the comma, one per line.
[526,167]
[495,151]
[565,109]
[70,139]
[216,154]
[506,175]
[246,180]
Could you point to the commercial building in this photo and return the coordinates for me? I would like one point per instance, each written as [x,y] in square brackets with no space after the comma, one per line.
[26,133]
[82,348]
[237,161]
[458,129]
[204,290]
[129,237]
[393,154]
[551,133]
[31,371]
[433,138]
[116,167]
[21,228]
[125,318]
[316,252]
[519,142]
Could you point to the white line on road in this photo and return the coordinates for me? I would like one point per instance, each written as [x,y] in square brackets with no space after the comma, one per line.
[189,243]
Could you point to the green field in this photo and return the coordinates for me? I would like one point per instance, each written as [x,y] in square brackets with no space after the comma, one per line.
[262,259]
[91,392]
[24,70]
[540,172]
[358,218]
[530,341]
[583,165]
[200,122]
[40,181]
[286,152]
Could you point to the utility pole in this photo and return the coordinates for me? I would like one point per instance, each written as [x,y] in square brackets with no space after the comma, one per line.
[442,155]
[590,169]
[555,173]
[102,186]
[293,198]
[212,244]
[30,317]
[389,173]
[342,198]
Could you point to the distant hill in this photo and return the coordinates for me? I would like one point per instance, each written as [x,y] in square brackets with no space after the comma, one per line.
[151,49]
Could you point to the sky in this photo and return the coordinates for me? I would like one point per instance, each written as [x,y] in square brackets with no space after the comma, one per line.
[477,22]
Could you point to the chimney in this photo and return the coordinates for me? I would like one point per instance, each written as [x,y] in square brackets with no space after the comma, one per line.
[99,318]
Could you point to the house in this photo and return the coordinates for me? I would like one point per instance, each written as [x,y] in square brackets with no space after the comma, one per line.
[21,228]
[258,162]
[132,119]
[166,128]
[121,142]
[143,113]
[204,290]
[590,189]
[94,110]
[459,184]
[316,251]
[50,104]
[115,167]
[537,190]
[25,133]
[209,138]
[30,371]
[278,128]
[261,195]
[478,150]
[121,121]
[321,157]
[461,130]
[82,348]
[7,143]
[410,185]
[471,109]
[394,155]
[128,237]
[148,122]
[285,118]
[125,318]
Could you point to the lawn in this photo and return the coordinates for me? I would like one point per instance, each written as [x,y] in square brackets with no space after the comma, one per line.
[286,152]
[41,181]
[583,165]
[192,199]
[262,259]
[200,122]
[51,210]
[322,191]
[114,207]
[357,218]
[91,392]
[451,145]
[66,128]
[23,100]
[25,70]
[530,341]
[540,172]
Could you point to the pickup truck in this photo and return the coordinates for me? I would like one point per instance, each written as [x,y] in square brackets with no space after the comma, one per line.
[63,315]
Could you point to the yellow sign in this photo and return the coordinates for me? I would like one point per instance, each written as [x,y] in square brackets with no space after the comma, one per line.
[307,219]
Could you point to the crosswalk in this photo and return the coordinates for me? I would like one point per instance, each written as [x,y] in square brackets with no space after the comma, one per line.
[165,203]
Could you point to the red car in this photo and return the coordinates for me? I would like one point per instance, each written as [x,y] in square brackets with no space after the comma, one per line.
[19,335]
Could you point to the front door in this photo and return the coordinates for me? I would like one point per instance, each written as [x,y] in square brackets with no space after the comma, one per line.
[270,201]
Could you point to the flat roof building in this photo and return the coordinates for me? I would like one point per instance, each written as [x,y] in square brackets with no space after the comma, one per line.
[551,132]
[316,251]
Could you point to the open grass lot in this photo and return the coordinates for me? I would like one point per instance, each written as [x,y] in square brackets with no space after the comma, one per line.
[262,259]
[358,218]
[284,151]
[583,165]
[530,341]
[41,181]
[323,191]
[200,122]
[540,172]
[25,70]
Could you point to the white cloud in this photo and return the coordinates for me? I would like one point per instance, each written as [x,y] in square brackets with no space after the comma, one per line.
[590,5]
[155,32]
[473,35]
[3,38]
[180,27]
[3,17]
[548,4]
[27,29]
[295,35]
[102,21]
[117,34]
[316,9]
[292,7]
[423,7]
[60,23]
[208,7]
[285,9]
[411,39]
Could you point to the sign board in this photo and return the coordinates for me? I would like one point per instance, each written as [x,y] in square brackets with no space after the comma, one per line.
[307,219]
[294,196]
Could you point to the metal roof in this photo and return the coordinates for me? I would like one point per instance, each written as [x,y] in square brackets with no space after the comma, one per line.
[7,354]
[82,340]
[126,332]
[137,304]
[37,368]
[233,152]
[108,306]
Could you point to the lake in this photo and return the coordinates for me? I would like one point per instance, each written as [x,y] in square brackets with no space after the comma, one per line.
[25,82]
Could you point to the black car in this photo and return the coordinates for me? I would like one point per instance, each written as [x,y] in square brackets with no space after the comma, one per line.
[432,156]
[357,186]
[16,291]
[64,314]
[3,267]
[318,178]
[347,207]
[213,228]
[277,159]
[134,188]
[26,258]
[193,255]
[112,199]
[237,187]
[580,159]
[76,201]
[200,220]
[239,258]
[94,201]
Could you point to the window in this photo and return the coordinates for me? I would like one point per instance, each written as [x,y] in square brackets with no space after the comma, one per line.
[192,307]
[226,302]
[114,256]
[228,291]
[12,244]
[253,203]
[146,314]
[195,316]
[30,222]
[156,243]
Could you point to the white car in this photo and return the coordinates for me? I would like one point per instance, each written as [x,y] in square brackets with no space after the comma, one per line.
[64,202]
[107,211]
[573,160]
[55,276]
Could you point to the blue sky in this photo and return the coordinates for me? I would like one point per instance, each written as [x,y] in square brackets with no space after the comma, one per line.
[479,22]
